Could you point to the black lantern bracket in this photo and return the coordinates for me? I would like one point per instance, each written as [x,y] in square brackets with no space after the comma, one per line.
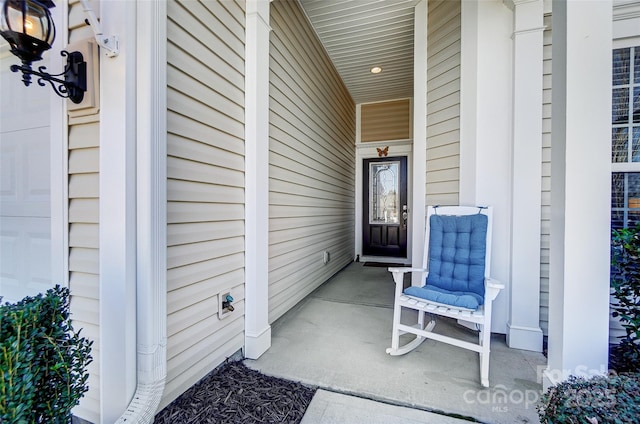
[29,29]
[74,77]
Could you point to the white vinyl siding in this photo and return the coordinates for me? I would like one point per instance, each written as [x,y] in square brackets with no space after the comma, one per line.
[443,102]
[312,162]
[205,187]
[545,224]
[84,229]
[385,121]
[84,265]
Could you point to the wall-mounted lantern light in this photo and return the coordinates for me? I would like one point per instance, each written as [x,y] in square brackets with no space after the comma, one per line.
[28,27]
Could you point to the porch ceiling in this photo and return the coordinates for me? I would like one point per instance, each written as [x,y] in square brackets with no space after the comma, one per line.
[361,34]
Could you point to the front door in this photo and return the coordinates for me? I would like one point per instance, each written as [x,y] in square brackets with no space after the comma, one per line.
[384,218]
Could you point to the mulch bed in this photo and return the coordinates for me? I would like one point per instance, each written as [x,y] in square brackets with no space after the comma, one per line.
[234,393]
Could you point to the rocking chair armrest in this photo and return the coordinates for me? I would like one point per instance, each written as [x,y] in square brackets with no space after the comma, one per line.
[492,288]
[399,272]
[494,284]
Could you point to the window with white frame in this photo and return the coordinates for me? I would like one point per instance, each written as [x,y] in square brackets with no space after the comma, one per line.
[625,138]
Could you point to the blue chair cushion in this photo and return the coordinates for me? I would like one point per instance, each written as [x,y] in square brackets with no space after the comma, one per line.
[457,251]
[458,299]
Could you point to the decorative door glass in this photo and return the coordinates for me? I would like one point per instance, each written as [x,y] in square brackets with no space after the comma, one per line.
[384,192]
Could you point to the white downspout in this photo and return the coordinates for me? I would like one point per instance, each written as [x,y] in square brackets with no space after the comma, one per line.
[151,275]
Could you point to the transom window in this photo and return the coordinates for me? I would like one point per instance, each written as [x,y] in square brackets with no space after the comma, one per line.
[625,138]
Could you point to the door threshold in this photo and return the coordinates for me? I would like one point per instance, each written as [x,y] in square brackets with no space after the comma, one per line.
[386,260]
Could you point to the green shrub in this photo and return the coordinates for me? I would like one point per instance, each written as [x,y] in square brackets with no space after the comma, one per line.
[625,283]
[42,360]
[614,399]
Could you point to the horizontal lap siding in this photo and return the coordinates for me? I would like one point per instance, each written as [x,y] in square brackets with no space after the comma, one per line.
[312,171]
[84,228]
[205,187]
[443,103]
[84,265]
[545,224]
[386,121]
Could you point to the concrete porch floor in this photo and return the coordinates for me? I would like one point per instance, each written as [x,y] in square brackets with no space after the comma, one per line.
[336,339]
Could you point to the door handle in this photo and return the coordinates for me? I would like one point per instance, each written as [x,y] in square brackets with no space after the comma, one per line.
[405,215]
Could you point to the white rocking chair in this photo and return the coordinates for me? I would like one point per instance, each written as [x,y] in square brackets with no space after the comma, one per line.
[454,279]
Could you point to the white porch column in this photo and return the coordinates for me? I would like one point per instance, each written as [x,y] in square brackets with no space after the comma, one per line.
[118,213]
[59,148]
[485,129]
[257,328]
[580,190]
[418,209]
[523,328]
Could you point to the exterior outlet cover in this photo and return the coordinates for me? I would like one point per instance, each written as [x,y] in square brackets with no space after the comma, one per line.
[326,257]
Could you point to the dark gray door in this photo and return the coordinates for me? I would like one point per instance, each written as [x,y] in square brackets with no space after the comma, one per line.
[384,217]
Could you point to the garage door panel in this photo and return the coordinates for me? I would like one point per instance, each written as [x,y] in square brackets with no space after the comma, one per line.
[8,173]
[22,107]
[25,258]
[37,175]
[25,184]
[25,178]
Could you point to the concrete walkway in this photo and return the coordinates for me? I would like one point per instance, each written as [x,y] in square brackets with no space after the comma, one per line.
[336,338]
[334,408]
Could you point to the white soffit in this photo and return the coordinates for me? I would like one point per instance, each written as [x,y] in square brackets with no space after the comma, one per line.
[361,34]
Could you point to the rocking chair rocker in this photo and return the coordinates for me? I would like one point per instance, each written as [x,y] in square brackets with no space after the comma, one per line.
[455,281]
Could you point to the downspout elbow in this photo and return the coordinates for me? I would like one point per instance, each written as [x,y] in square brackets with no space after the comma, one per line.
[152,374]
[142,408]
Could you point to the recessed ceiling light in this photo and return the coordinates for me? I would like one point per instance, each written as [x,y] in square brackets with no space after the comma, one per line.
[376,70]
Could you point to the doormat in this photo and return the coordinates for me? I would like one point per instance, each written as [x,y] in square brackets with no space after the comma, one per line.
[383,264]
[237,394]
